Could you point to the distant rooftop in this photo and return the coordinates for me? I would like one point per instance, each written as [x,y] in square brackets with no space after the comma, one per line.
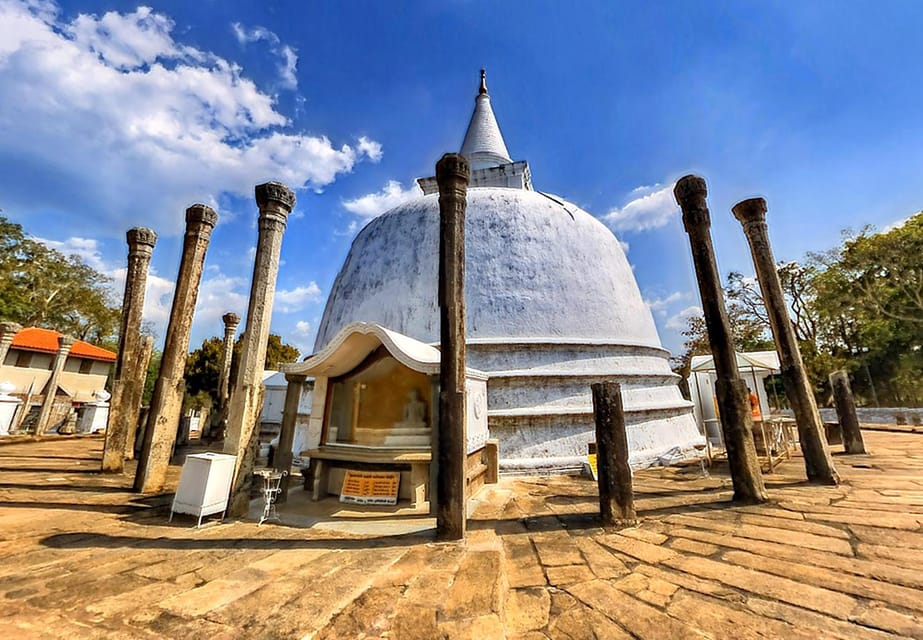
[46,341]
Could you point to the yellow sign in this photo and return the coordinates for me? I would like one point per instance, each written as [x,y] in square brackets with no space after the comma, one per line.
[370,487]
[591,460]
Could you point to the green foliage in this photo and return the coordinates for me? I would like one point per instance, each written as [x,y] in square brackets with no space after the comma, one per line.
[749,333]
[43,288]
[153,370]
[858,306]
[203,366]
[200,400]
[279,353]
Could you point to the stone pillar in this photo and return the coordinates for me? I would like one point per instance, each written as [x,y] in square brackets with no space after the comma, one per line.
[8,331]
[275,202]
[122,414]
[282,460]
[846,412]
[733,404]
[231,322]
[133,403]
[817,460]
[167,401]
[51,389]
[616,496]
[452,174]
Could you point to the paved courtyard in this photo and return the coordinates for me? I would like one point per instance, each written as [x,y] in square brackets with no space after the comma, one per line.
[81,556]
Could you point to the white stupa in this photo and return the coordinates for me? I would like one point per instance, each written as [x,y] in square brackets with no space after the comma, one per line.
[552,306]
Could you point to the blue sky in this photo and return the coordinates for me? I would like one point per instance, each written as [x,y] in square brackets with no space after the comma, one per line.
[117,115]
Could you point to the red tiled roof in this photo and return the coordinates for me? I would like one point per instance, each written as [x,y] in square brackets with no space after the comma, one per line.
[46,341]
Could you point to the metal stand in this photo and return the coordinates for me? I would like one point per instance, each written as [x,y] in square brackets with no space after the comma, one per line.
[272,481]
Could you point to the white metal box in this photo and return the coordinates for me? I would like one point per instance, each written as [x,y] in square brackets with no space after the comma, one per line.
[204,485]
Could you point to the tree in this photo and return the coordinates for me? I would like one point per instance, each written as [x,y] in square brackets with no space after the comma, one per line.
[748,331]
[153,370]
[203,366]
[858,306]
[279,353]
[41,287]
[886,270]
[870,301]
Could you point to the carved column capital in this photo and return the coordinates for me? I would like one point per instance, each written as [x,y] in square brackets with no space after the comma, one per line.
[751,213]
[141,241]
[231,322]
[200,218]
[691,193]
[275,201]
[452,174]
[297,378]
[65,343]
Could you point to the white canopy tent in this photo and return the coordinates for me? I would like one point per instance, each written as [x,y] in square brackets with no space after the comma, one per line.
[755,367]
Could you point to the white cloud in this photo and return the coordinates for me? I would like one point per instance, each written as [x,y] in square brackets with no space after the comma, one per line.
[288,65]
[119,113]
[158,296]
[624,244]
[218,294]
[374,204]
[660,305]
[87,249]
[288,56]
[897,224]
[290,300]
[302,336]
[678,321]
[653,207]
[246,36]
[370,148]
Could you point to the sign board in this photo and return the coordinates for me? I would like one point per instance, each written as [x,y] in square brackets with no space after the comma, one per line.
[591,462]
[370,487]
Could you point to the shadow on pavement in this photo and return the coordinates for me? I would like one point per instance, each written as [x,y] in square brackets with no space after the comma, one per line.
[84,540]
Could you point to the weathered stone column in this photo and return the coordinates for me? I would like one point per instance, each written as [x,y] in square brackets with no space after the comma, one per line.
[122,417]
[452,174]
[846,412]
[616,495]
[282,460]
[133,403]
[167,401]
[275,202]
[733,403]
[231,322]
[817,460]
[51,389]
[8,331]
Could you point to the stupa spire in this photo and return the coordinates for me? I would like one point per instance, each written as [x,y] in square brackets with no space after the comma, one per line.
[484,146]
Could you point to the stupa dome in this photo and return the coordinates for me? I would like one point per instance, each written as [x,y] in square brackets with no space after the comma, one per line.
[551,302]
[536,269]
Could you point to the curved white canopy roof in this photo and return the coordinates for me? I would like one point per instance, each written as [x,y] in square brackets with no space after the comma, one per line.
[758,360]
[356,341]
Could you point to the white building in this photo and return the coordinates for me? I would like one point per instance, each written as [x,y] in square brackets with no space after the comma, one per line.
[26,370]
[552,306]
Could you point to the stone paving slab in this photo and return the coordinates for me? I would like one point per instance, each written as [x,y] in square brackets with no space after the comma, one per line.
[81,556]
